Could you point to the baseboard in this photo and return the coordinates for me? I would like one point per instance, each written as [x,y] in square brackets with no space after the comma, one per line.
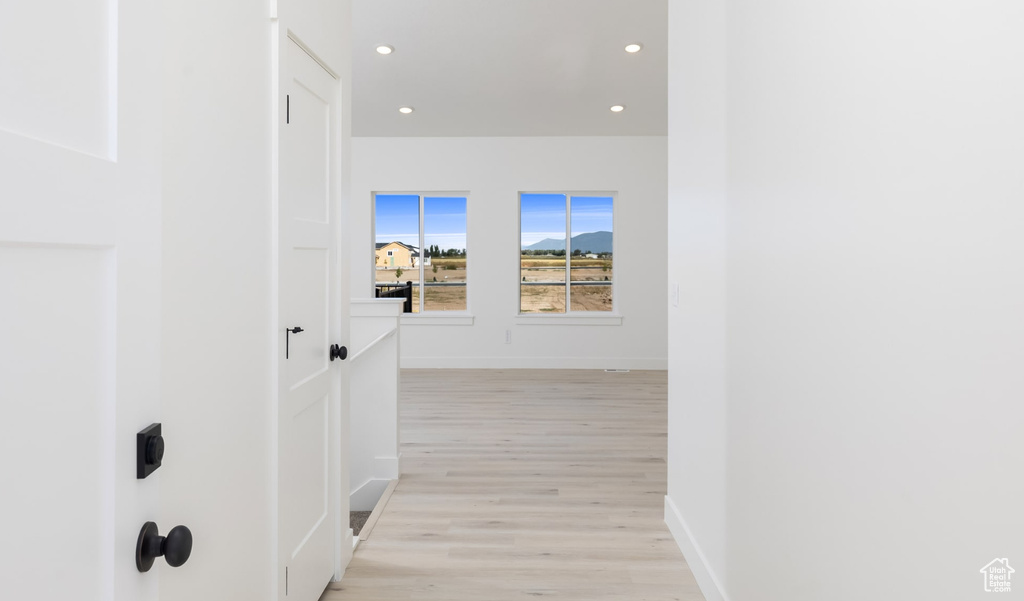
[637,363]
[371,521]
[706,580]
[366,496]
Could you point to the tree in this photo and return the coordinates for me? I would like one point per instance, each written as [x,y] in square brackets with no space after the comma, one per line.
[398,273]
[435,268]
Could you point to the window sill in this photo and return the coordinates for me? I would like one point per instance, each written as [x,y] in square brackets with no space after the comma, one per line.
[573,319]
[437,319]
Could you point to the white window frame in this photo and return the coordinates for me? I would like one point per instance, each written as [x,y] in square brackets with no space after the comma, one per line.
[424,317]
[569,317]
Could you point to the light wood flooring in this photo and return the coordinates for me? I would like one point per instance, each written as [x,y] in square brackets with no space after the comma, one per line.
[522,484]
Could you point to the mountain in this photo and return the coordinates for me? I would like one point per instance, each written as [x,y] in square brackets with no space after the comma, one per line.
[598,242]
[547,244]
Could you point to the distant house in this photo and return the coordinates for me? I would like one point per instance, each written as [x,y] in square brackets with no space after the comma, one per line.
[394,255]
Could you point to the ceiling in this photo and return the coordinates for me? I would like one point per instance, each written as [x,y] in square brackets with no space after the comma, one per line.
[509,67]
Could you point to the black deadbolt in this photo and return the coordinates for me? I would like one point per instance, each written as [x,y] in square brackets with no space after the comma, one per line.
[176,547]
[338,352]
[149,451]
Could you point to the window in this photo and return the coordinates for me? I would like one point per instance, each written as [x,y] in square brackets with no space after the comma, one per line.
[547,263]
[421,239]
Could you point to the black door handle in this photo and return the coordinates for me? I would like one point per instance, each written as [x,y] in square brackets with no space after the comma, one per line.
[338,352]
[287,333]
[176,547]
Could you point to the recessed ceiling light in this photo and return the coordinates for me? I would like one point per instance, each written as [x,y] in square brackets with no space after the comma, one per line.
[634,48]
[405,110]
[385,49]
[618,108]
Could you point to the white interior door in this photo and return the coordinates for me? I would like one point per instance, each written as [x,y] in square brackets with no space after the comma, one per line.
[79,295]
[309,388]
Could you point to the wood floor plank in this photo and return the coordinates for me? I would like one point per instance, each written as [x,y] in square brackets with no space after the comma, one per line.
[520,484]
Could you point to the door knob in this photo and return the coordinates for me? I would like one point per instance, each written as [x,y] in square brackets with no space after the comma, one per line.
[176,547]
[338,352]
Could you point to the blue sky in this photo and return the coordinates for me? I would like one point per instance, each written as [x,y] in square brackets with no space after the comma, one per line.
[543,216]
[444,220]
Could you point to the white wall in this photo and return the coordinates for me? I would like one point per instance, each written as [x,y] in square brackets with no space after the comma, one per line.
[494,171]
[219,403]
[216,300]
[863,211]
[375,382]
[697,179]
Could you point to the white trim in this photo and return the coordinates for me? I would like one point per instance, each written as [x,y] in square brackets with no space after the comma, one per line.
[378,509]
[595,363]
[366,496]
[376,307]
[438,318]
[375,342]
[702,572]
[568,319]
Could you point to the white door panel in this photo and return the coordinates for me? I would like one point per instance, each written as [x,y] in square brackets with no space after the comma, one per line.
[79,296]
[309,393]
[60,471]
[308,270]
[64,94]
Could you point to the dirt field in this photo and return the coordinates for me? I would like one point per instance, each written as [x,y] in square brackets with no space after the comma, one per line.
[535,299]
[437,298]
[551,299]
[445,298]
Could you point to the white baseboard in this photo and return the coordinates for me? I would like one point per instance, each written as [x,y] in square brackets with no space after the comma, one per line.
[706,580]
[366,496]
[637,363]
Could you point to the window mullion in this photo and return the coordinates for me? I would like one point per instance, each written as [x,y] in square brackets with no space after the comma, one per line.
[568,253]
[423,282]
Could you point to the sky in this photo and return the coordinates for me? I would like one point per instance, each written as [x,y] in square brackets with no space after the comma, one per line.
[444,220]
[543,216]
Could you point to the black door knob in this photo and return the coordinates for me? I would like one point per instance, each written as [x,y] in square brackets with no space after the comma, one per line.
[338,352]
[176,547]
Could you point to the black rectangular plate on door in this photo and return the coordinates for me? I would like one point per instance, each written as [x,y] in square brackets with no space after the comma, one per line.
[149,451]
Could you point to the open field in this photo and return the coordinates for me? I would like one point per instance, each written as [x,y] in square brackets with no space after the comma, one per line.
[551,299]
[388,276]
[445,298]
[443,263]
[535,298]
[437,298]
[527,261]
